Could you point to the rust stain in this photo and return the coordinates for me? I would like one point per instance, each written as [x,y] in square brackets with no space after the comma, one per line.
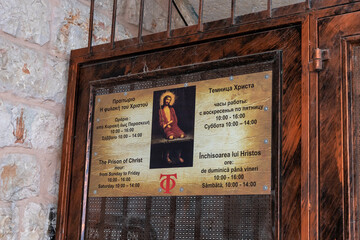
[153,24]
[25,69]
[102,25]
[8,173]
[73,18]
[103,39]
[19,133]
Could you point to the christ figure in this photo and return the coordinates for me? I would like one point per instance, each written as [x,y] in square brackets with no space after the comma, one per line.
[169,123]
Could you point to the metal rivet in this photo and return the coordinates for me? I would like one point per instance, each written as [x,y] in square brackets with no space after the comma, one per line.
[266,76]
[125,93]
[160,190]
[266,108]
[95,154]
[265,187]
[98,120]
[99,100]
[185,84]
[181,189]
[231,78]
[266,141]
[95,192]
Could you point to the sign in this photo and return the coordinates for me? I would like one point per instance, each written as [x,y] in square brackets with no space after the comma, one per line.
[210,137]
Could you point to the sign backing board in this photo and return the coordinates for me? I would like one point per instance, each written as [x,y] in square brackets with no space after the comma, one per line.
[210,137]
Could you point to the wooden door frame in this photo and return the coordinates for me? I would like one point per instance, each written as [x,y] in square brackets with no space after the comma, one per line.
[304,14]
[347,45]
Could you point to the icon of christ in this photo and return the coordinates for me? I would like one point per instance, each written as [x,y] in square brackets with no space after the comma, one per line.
[168,121]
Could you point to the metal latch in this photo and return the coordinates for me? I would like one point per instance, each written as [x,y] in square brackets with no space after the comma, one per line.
[320,55]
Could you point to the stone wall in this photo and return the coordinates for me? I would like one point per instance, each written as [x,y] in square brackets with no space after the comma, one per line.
[35,41]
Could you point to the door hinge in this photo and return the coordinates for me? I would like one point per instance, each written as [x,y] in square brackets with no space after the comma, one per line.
[319,56]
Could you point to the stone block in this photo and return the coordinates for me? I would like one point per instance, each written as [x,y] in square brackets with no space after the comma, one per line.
[281,3]
[189,12]
[244,7]
[29,20]
[130,10]
[29,127]
[19,177]
[35,222]
[104,5]
[7,138]
[220,9]
[28,73]
[71,25]
[216,10]
[102,27]
[46,131]
[53,187]
[9,222]
[155,14]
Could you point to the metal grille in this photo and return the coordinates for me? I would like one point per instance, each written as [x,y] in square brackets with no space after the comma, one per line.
[136,207]
[185,218]
[161,216]
[165,82]
[143,85]
[211,222]
[207,217]
[254,217]
[121,88]
[199,13]
[241,217]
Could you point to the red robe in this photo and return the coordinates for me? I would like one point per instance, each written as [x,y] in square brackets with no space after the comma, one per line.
[174,130]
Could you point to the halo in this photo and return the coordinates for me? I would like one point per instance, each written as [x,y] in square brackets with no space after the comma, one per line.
[167,93]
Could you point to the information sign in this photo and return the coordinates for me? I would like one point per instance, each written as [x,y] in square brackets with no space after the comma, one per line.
[210,137]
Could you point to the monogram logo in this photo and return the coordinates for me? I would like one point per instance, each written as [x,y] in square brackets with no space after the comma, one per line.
[168,182]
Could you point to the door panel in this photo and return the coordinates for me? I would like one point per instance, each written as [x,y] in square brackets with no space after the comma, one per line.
[286,214]
[353,122]
[334,108]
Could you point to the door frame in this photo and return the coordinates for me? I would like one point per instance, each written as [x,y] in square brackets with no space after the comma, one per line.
[307,17]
